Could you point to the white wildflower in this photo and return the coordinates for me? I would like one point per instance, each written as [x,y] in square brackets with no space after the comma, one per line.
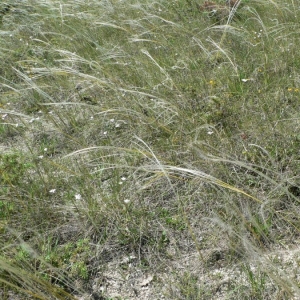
[247,79]
[78,197]
[52,191]
[122,180]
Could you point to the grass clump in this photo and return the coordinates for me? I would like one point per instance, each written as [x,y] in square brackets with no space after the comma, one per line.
[149,147]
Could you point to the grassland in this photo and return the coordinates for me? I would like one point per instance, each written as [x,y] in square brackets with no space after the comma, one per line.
[149,150]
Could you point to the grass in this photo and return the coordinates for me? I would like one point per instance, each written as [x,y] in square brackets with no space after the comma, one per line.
[149,150]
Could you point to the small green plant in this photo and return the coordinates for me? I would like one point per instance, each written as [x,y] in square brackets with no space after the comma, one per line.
[187,286]
[260,229]
[174,221]
[6,208]
[79,269]
[71,258]
[12,168]
[257,280]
